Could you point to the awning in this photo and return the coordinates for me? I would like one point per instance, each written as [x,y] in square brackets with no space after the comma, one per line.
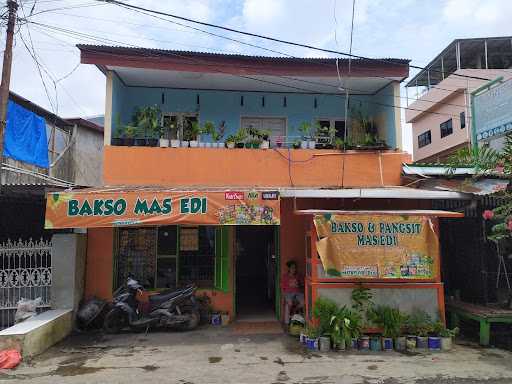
[374,193]
[141,205]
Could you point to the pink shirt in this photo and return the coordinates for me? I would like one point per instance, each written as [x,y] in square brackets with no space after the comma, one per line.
[290,284]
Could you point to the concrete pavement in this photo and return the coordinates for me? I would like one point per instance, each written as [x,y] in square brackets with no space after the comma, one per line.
[215,355]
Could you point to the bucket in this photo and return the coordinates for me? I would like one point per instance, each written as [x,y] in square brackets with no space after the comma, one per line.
[446,343]
[364,343]
[387,344]
[375,344]
[422,342]
[410,342]
[434,343]
[312,344]
[216,319]
[353,343]
[400,343]
[324,344]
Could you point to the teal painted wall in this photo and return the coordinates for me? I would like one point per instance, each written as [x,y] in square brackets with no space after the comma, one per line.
[217,106]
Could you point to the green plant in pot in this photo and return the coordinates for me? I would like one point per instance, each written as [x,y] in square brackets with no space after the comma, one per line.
[312,334]
[231,141]
[390,320]
[323,311]
[193,134]
[208,128]
[147,121]
[345,327]
[265,139]
[446,335]
[305,131]
[419,325]
[241,137]
[129,135]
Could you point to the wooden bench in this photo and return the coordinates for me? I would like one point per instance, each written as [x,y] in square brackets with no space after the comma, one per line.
[485,315]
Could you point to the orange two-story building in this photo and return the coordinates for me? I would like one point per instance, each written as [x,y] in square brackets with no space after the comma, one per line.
[192,209]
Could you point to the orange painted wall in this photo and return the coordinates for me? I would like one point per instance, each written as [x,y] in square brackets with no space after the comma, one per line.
[243,167]
[99,263]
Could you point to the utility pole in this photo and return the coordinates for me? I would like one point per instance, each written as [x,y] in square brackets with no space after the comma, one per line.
[12,6]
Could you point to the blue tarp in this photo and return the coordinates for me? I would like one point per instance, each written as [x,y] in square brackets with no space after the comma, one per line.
[25,136]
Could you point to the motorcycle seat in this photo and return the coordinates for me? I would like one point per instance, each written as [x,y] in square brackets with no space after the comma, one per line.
[167,295]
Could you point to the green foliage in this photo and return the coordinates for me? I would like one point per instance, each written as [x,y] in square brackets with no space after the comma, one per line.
[305,130]
[147,121]
[241,135]
[440,330]
[130,131]
[506,155]
[482,159]
[362,299]
[419,323]
[323,310]
[344,326]
[208,128]
[312,332]
[231,139]
[389,319]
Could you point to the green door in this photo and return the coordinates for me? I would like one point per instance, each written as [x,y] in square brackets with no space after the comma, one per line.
[221,282]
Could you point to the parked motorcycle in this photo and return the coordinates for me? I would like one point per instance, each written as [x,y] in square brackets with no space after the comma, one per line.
[169,309]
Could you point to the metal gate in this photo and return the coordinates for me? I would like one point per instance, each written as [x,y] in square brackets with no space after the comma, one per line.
[25,272]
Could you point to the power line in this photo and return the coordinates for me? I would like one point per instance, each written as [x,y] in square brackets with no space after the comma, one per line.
[387,61]
[283,53]
[202,62]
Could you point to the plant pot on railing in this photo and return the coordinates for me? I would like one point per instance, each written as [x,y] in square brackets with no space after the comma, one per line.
[164,143]
[304,144]
[193,143]
[140,142]
[175,143]
[151,142]
[311,144]
[184,144]
[230,144]
[265,144]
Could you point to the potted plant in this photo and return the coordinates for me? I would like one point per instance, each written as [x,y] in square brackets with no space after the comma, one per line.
[172,132]
[420,324]
[164,138]
[265,139]
[117,138]
[129,135]
[147,121]
[446,335]
[230,141]
[345,327]
[208,129]
[241,137]
[323,311]
[305,130]
[194,132]
[296,144]
[312,334]
[390,320]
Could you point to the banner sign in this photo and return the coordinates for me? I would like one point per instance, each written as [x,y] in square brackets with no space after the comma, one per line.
[382,247]
[493,112]
[110,208]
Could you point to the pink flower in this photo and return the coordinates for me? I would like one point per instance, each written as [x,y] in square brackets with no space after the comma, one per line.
[509,225]
[488,214]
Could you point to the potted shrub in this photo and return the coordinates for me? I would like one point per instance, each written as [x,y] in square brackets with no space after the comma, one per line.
[140,137]
[375,343]
[446,335]
[172,133]
[265,139]
[323,311]
[390,320]
[312,334]
[296,144]
[241,137]
[305,131]
[363,343]
[230,141]
[129,135]
[194,131]
[420,324]
[208,129]
[147,121]
[164,137]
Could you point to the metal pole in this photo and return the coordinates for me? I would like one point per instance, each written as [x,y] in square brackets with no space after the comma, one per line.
[12,5]
[442,67]
[486,60]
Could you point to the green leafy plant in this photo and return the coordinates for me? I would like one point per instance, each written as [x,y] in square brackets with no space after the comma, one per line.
[482,159]
[130,131]
[305,130]
[231,139]
[440,329]
[323,310]
[312,332]
[344,326]
[195,130]
[241,135]
[389,319]
[147,121]
[419,323]
[208,128]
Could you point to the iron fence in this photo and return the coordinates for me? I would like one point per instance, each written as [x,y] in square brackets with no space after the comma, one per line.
[25,272]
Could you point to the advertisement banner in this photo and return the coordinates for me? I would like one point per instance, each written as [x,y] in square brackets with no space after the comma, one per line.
[117,207]
[378,247]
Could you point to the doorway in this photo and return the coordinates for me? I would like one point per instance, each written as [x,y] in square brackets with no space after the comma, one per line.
[256,266]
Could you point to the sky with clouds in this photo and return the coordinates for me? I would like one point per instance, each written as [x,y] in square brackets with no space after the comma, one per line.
[412,29]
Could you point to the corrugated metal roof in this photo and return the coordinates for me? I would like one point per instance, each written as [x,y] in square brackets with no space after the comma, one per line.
[282,59]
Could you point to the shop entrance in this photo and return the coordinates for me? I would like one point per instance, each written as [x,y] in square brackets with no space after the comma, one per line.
[256,263]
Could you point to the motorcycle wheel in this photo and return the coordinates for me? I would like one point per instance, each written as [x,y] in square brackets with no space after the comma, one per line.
[115,321]
[191,324]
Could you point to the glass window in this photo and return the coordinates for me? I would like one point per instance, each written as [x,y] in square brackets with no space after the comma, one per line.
[462,120]
[424,139]
[167,256]
[197,255]
[446,128]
